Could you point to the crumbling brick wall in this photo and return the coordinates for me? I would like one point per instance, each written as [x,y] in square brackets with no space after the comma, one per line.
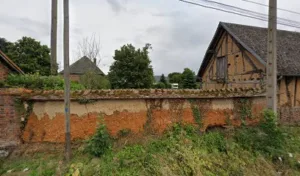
[9,122]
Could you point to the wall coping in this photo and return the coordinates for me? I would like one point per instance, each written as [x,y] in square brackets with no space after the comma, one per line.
[45,95]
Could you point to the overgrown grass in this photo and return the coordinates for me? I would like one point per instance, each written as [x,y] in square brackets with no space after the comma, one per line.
[262,150]
[37,165]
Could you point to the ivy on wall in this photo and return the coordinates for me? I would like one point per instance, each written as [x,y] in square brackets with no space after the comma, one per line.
[197,113]
[243,108]
[23,112]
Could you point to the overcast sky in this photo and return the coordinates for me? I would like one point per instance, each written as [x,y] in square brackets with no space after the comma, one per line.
[179,33]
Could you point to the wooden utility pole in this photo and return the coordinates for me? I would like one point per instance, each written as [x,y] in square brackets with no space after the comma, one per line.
[67,80]
[54,38]
[272,57]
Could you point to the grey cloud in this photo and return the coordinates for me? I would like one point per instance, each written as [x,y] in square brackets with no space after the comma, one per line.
[169,14]
[182,43]
[30,26]
[115,5]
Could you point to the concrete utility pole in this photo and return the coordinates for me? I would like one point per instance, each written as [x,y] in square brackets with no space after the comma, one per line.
[67,80]
[54,38]
[272,57]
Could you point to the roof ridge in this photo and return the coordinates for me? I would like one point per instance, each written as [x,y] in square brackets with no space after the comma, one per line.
[82,65]
[259,27]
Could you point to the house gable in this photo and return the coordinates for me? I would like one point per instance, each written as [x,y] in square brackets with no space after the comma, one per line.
[84,65]
[229,64]
[7,66]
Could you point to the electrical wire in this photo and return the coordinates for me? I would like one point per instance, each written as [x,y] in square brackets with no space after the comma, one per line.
[265,5]
[242,12]
[248,12]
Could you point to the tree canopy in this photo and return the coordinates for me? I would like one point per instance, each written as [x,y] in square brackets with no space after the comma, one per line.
[30,55]
[163,79]
[175,77]
[4,44]
[131,68]
[188,79]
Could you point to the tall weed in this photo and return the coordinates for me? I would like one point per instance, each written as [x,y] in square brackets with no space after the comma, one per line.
[267,137]
[100,143]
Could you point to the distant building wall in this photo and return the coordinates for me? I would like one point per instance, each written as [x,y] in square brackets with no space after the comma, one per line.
[73,77]
[4,71]
[239,68]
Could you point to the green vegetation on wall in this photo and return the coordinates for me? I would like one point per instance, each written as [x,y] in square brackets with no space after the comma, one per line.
[39,82]
[243,108]
[23,112]
[197,114]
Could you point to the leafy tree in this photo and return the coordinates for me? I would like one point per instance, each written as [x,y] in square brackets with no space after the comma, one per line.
[91,80]
[188,79]
[131,68]
[30,56]
[175,77]
[163,79]
[4,44]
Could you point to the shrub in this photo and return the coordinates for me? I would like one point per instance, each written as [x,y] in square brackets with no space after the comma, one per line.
[273,138]
[91,80]
[160,85]
[100,143]
[39,82]
[266,138]
[214,141]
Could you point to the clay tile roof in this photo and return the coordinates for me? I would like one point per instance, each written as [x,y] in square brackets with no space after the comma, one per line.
[83,65]
[254,39]
[10,63]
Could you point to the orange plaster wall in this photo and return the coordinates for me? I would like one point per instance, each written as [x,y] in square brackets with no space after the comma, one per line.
[155,119]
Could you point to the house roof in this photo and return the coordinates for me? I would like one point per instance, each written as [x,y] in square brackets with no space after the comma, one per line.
[254,39]
[10,63]
[83,65]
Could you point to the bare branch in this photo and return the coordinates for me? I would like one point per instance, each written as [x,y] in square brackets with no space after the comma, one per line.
[90,47]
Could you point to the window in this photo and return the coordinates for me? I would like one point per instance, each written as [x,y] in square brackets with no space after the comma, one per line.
[221,68]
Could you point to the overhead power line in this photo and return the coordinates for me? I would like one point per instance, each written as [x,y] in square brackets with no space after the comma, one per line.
[241,12]
[265,5]
[246,11]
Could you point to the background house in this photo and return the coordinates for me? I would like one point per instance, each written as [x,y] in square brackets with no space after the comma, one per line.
[237,56]
[7,66]
[82,66]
